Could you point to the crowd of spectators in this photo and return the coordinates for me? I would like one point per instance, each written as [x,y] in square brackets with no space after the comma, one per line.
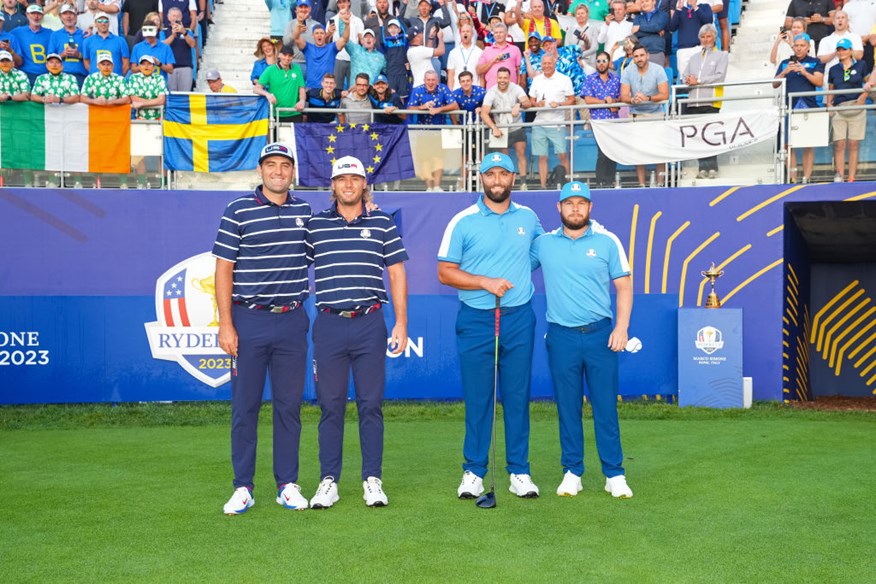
[479,59]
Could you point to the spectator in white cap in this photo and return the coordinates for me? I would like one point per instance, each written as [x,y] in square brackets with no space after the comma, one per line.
[104,41]
[13,83]
[161,54]
[214,81]
[67,42]
[56,86]
[364,57]
[34,42]
[87,18]
[105,87]
[148,90]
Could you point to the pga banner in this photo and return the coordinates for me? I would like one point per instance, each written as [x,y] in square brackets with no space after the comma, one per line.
[653,140]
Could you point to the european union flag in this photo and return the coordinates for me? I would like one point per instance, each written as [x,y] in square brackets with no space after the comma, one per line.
[384,149]
[214,133]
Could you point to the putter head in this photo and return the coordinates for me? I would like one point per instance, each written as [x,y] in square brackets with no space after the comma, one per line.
[487,500]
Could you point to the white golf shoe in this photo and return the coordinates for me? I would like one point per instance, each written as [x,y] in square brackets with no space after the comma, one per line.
[522,486]
[373,493]
[326,494]
[570,486]
[240,501]
[290,497]
[471,487]
[618,487]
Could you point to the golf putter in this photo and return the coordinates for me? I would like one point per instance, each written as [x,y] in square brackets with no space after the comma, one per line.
[488,500]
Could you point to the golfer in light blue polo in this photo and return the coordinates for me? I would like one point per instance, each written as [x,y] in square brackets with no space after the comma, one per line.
[579,261]
[485,254]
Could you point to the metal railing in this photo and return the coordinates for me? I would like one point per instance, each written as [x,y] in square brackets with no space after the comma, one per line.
[473,142]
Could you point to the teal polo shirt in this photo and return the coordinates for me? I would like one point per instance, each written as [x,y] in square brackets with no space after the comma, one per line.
[578,272]
[486,243]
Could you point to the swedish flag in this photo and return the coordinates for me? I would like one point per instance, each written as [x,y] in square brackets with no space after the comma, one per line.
[214,133]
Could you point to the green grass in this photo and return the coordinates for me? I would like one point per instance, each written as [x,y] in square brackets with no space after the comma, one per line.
[134,493]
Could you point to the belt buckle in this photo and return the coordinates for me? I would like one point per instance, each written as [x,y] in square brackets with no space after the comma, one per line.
[278,309]
[347,313]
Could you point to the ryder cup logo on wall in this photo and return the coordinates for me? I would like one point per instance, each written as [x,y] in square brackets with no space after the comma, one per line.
[187,329]
[709,340]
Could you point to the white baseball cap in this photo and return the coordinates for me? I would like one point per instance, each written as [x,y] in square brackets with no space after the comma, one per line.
[5,56]
[348,165]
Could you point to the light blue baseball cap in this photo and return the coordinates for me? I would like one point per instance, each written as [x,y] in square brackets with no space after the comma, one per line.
[497,159]
[574,189]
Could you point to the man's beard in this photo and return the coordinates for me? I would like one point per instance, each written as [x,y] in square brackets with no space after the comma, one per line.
[501,197]
[575,224]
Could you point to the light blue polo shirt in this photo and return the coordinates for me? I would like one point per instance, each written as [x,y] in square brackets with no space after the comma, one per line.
[578,272]
[486,243]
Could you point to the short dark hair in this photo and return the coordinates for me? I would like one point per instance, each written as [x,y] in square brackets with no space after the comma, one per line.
[638,46]
[465,74]
[601,53]
[503,70]
[365,77]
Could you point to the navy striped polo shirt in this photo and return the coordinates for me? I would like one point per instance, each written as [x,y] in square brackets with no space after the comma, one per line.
[265,242]
[349,258]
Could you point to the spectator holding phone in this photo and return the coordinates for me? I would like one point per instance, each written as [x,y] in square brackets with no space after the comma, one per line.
[181,42]
[783,47]
[500,54]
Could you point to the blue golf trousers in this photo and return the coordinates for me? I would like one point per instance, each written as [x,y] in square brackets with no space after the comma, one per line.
[275,344]
[573,355]
[475,341]
[339,345]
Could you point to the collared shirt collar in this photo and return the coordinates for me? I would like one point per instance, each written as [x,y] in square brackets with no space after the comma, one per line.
[336,215]
[263,200]
[487,211]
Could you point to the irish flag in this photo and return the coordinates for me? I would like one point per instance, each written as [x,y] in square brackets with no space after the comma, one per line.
[70,137]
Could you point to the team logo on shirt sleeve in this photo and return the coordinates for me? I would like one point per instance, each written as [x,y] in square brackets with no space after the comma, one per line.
[187,325]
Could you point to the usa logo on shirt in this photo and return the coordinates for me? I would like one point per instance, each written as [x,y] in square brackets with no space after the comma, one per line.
[299,222]
[365,233]
[591,253]
[521,231]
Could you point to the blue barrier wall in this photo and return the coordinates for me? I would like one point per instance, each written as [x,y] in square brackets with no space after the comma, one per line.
[81,269]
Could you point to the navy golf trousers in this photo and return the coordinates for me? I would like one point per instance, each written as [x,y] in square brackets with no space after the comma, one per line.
[275,344]
[339,346]
[573,355]
[476,342]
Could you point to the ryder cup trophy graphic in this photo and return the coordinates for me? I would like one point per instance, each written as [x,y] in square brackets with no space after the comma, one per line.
[712,301]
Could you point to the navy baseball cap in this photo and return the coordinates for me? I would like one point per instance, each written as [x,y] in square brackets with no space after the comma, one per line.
[415,29]
[844,44]
[316,26]
[276,149]
[548,39]
[574,189]
[497,160]
[381,79]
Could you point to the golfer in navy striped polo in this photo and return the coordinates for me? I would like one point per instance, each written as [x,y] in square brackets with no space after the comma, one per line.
[261,282]
[350,248]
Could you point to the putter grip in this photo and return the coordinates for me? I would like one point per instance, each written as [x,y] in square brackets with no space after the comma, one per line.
[498,313]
